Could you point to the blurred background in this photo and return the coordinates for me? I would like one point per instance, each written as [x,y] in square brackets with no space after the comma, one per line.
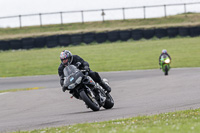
[43,12]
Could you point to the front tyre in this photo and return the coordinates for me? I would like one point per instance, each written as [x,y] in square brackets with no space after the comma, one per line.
[109,103]
[90,101]
[166,70]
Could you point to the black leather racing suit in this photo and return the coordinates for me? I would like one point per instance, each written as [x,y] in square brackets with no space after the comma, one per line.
[162,55]
[94,75]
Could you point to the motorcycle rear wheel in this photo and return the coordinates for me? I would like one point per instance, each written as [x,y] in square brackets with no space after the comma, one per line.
[91,102]
[109,103]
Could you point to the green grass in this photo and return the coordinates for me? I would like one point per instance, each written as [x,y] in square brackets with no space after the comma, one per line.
[22,89]
[174,122]
[118,56]
[32,31]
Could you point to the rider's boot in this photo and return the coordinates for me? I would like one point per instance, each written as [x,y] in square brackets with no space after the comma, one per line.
[105,85]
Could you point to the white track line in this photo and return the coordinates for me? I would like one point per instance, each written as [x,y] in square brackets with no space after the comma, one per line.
[4,93]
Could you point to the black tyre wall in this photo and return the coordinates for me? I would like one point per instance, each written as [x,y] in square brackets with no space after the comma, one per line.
[76,39]
[125,35]
[28,43]
[101,37]
[137,34]
[88,37]
[64,40]
[52,41]
[4,45]
[172,32]
[160,32]
[113,36]
[194,31]
[183,31]
[148,33]
[40,42]
[15,44]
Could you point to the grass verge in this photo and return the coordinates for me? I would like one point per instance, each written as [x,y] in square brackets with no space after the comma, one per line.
[189,19]
[118,56]
[187,121]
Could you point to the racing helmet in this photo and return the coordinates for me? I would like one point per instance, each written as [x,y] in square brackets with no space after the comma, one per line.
[164,51]
[66,57]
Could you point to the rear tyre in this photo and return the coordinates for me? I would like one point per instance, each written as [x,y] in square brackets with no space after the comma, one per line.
[109,103]
[90,101]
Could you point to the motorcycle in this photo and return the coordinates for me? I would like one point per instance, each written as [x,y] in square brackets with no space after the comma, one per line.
[165,64]
[83,87]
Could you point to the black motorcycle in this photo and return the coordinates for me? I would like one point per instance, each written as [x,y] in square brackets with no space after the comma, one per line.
[83,87]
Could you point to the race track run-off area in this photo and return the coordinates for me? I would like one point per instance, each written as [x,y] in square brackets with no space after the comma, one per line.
[140,92]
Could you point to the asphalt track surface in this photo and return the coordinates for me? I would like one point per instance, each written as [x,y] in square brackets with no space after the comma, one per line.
[142,92]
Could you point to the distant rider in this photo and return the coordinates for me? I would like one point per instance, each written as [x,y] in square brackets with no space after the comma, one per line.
[164,52]
[67,58]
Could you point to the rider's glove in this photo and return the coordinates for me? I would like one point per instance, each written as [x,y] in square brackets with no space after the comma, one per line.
[87,68]
[64,89]
[78,64]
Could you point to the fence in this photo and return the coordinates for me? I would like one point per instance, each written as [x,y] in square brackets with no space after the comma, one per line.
[94,15]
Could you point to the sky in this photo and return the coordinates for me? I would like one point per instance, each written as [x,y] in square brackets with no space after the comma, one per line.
[27,7]
[21,7]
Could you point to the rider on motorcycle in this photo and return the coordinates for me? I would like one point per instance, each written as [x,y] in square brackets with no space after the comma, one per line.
[164,52]
[67,58]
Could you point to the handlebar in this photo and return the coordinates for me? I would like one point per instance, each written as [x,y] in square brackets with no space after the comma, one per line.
[86,72]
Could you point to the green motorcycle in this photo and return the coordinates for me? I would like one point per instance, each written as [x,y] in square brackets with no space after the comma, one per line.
[165,64]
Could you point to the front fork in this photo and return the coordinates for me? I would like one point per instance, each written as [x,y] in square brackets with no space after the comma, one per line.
[101,98]
[163,67]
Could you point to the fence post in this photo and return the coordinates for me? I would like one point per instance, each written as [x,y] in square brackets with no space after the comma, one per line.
[165,11]
[144,12]
[185,10]
[20,21]
[103,14]
[61,18]
[40,15]
[82,17]
[123,13]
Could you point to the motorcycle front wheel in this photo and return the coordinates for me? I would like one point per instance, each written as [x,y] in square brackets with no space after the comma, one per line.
[89,101]
[166,70]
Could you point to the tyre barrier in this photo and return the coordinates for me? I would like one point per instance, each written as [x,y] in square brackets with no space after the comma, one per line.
[88,37]
[28,43]
[52,41]
[64,40]
[172,32]
[16,44]
[137,34]
[194,31]
[40,42]
[4,45]
[124,35]
[160,32]
[183,31]
[76,39]
[113,36]
[101,37]
[149,33]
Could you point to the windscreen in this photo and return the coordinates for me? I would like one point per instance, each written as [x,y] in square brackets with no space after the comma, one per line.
[68,70]
[164,56]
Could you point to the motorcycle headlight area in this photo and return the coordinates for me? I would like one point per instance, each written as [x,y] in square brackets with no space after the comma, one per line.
[167,61]
[78,81]
[73,85]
